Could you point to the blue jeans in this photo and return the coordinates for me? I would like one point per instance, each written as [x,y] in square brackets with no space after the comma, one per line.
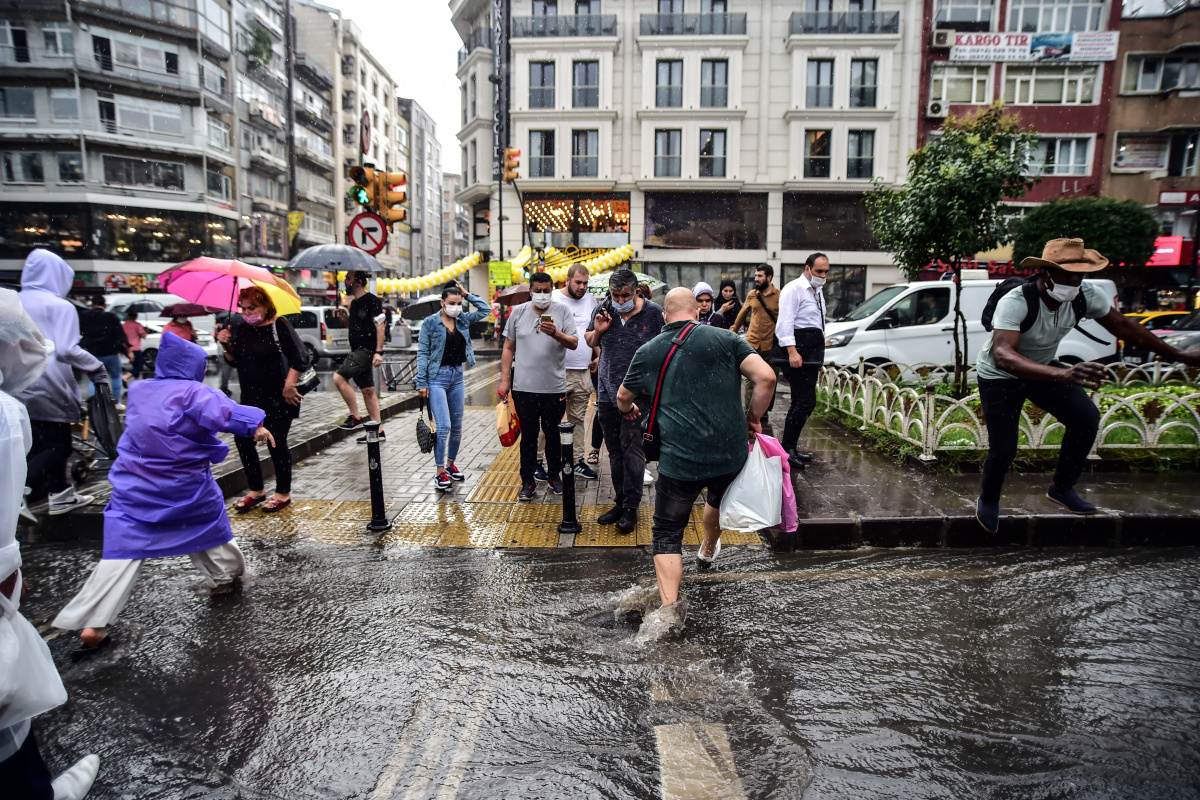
[113,365]
[446,396]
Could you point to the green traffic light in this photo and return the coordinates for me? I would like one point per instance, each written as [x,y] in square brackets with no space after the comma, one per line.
[359,195]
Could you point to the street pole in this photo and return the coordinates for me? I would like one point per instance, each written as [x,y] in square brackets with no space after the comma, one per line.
[1191,284]
[379,521]
[570,520]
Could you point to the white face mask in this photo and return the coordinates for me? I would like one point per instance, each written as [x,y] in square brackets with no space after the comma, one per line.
[541,299]
[816,282]
[1063,294]
[453,311]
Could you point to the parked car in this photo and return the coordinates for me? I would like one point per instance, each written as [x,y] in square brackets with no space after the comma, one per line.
[912,323]
[325,335]
[1160,323]
[1186,334]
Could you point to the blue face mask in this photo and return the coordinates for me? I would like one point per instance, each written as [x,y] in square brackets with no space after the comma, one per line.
[624,308]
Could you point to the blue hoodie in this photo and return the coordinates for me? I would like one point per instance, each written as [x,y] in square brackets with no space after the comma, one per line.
[55,396]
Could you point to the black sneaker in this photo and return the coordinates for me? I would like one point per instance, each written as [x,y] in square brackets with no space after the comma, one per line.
[351,423]
[610,517]
[527,492]
[363,439]
[988,514]
[585,472]
[539,474]
[1071,499]
[555,485]
[628,521]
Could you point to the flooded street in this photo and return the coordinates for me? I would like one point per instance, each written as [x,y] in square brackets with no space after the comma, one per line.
[365,671]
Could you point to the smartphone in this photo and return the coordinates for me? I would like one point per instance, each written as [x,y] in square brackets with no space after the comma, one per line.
[547,318]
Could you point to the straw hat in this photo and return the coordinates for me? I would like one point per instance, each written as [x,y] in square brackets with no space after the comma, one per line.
[1068,254]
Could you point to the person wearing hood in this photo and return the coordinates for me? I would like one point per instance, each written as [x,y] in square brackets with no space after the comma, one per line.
[165,501]
[728,303]
[707,315]
[29,681]
[53,401]
[534,364]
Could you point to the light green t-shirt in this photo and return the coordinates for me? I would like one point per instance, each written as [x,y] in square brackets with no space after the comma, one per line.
[1039,343]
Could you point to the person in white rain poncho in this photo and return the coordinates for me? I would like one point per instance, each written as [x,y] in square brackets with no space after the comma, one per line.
[29,682]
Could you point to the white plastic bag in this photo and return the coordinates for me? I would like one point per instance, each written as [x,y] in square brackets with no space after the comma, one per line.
[754,500]
[29,682]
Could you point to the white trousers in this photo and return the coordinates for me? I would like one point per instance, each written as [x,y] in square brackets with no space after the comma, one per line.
[107,590]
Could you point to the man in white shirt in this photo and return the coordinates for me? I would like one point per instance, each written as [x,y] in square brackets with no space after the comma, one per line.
[580,362]
[801,333]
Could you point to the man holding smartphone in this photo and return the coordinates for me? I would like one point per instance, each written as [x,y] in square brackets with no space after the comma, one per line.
[533,364]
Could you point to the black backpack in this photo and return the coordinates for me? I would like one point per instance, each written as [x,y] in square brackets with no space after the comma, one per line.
[1029,289]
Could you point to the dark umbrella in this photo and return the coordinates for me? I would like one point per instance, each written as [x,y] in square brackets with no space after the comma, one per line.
[335,257]
[105,421]
[186,310]
[513,295]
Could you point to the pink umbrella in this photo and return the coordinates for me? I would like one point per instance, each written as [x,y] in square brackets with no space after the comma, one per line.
[215,282]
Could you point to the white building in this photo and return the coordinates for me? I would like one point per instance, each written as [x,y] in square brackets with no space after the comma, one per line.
[424,187]
[712,135]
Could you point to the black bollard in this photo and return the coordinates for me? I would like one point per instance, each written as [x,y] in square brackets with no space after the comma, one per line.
[570,520]
[379,521]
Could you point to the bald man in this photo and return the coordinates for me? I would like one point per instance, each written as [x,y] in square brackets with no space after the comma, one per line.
[701,426]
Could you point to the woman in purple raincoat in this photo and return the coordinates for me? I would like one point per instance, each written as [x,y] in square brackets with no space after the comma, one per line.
[165,501]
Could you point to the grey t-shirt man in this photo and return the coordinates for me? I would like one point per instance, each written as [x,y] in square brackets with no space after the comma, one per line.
[1040,342]
[539,362]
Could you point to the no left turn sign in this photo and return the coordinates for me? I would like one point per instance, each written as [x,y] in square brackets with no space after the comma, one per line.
[367,232]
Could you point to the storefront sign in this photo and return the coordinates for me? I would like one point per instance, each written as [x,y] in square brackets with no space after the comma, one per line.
[1141,152]
[1040,47]
[1179,198]
[1167,252]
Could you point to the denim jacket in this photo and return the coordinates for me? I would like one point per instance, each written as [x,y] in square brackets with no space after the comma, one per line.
[432,340]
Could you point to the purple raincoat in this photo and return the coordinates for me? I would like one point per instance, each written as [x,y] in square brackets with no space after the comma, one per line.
[165,501]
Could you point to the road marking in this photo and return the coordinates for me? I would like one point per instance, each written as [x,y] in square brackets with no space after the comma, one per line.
[466,744]
[696,762]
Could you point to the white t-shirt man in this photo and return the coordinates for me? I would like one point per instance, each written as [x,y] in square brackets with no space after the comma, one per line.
[581,310]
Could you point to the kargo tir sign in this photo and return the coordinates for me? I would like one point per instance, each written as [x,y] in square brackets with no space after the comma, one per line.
[1089,46]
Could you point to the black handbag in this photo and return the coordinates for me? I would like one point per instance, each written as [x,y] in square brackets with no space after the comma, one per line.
[308,379]
[650,439]
[426,431]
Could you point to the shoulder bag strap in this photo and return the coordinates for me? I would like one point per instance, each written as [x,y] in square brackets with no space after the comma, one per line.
[763,306]
[676,343]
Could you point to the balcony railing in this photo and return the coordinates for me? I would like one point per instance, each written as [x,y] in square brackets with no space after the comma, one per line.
[13,56]
[480,37]
[693,24]
[822,22]
[564,25]
[105,65]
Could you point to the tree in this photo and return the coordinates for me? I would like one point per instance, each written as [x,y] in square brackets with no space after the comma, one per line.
[1124,231]
[952,204]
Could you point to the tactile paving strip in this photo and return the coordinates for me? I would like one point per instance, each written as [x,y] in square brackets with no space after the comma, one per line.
[531,534]
[413,534]
[326,521]
[594,535]
[492,479]
[460,534]
[538,512]
[494,494]
[430,512]
[728,538]
[486,512]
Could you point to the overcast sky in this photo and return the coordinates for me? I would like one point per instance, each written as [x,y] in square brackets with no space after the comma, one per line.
[418,46]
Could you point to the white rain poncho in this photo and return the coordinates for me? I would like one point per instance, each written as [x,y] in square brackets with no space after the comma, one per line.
[29,683]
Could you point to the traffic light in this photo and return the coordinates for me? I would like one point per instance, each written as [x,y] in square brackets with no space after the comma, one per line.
[511,154]
[363,190]
[387,199]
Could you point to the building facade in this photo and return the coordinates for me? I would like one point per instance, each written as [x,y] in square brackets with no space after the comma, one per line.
[712,135]
[456,222]
[424,187]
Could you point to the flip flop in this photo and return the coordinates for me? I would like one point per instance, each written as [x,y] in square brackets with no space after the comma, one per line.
[271,506]
[84,652]
[248,502]
[593,457]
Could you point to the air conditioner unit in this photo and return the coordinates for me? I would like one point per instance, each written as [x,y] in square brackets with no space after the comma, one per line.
[937,109]
[942,40]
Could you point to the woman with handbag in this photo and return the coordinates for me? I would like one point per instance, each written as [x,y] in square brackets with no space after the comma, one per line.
[269,359]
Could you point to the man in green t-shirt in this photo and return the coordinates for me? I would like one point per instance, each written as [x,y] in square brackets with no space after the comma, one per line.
[702,427]
[1015,366]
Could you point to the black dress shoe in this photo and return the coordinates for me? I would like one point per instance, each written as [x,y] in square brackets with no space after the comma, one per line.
[610,517]
[798,456]
[628,521]
[795,461]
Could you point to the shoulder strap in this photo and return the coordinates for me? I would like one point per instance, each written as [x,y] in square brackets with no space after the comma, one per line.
[763,306]
[1033,302]
[676,343]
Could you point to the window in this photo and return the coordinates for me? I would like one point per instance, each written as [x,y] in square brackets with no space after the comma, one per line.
[712,154]
[864,82]
[56,37]
[826,221]
[820,83]
[220,187]
[23,168]
[64,103]
[1182,161]
[670,6]
[965,85]
[585,90]
[586,8]
[1060,156]
[1060,85]
[14,44]
[1053,16]
[541,84]
[817,153]
[862,6]
[722,221]
[143,173]
[545,8]
[714,84]
[147,115]
[474,162]
[1158,74]
[860,157]
[70,167]
[474,98]
[669,89]
[541,154]
[585,154]
[16,103]
[218,134]
[924,307]
[965,15]
[818,6]
[217,82]
[667,153]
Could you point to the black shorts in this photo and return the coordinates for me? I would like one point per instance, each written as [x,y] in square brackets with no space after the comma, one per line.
[673,502]
[357,367]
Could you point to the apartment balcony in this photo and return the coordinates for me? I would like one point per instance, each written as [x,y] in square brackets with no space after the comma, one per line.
[259,16]
[316,195]
[480,39]
[315,156]
[316,230]
[693,25]
[269,161]
[272,116]
[312,73]
[568,25]
[105,69]
[267,74]
[821,23]
[32,58]
[314,117]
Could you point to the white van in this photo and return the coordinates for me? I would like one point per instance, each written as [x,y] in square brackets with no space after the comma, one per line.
[912,323]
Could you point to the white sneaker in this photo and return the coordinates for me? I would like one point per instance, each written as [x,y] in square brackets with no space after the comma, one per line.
[120,406]
[705,563]
[647,478]
[75,783]
[68,500]
[28,515]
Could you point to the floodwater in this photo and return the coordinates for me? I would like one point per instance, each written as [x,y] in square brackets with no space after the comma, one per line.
[360,671]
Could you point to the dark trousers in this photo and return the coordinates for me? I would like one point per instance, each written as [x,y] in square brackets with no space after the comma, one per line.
[47,459]
[673,504]
[597,432]
[281,456]
[1002,401]
[803,382]
[24,775]
[626,458]
[139,361]
[539,411]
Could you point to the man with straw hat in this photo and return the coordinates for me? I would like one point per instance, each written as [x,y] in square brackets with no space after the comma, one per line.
[1018,364]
